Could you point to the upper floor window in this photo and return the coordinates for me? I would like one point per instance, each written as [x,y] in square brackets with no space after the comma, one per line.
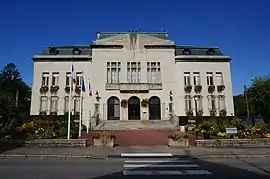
[210,80]
[45,79]
[186,78]
[66,107]
[196,78]
[68,78]
[153,72]
[219,78]
[55,79]
[113,72]
[78,78]
[133,72]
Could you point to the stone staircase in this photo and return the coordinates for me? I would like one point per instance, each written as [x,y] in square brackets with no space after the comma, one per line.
[136,125]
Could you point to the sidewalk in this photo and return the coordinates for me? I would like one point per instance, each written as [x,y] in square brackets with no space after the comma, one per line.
[104,153]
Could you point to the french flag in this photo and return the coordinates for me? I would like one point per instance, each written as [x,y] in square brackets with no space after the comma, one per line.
[73,75]
[90,88]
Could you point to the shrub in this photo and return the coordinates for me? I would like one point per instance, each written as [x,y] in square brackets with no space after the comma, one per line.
[176,136]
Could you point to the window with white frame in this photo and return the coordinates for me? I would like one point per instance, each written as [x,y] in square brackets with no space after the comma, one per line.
[212,102]
[113,72]
[55,79]
[45,79]
[66,107]
[188,103]
[221,102]
[210,80]
[133,72]
[219,78]
[153,72]
[196,78]
[76,104]
[43,104]
[198,103]
[54,104]
[186,78]
[79,78]
[68,79]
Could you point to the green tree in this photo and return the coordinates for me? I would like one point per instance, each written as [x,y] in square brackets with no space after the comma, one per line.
[240,105]
[259,95]
[14,93]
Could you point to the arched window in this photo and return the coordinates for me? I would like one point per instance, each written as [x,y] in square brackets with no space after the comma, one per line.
[113,108]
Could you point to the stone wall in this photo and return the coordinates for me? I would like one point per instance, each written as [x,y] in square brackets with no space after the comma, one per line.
[245,143]
[45,143]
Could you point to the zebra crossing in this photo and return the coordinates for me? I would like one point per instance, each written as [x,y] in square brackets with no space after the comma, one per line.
[143,164]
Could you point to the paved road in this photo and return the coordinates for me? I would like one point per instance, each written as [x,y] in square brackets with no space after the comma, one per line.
[134,167]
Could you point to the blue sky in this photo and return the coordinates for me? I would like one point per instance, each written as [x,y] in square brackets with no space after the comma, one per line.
[240,28]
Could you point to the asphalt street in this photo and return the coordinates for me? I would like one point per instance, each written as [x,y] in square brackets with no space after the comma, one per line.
[134,167]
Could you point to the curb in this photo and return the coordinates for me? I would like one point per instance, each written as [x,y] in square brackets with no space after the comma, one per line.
[63,157]
[230,156]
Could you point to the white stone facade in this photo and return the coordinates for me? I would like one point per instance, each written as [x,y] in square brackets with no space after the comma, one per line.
[125,65]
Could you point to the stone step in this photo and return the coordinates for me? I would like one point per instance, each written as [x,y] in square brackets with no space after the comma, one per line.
[136,125]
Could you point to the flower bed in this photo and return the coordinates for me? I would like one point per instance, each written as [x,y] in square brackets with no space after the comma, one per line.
[178,139]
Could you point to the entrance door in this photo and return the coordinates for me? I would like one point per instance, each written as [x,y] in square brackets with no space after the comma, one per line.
[154,108]
[134,112]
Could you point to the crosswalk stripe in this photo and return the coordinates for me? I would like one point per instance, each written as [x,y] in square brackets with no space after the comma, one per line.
[146,154]
[157,161]
[158,166]
[167,172]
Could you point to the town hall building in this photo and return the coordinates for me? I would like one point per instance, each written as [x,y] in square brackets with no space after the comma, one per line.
[133,76]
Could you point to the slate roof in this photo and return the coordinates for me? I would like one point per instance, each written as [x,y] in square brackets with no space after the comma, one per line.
[68,50]
[193,50]
[87,49]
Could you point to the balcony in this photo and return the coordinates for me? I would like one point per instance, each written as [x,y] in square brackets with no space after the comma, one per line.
[133,86]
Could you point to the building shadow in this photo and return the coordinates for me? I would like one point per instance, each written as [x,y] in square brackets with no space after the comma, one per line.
[10,145]
[217,171]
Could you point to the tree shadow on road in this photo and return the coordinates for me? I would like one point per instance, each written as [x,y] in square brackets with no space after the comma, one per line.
[217,171]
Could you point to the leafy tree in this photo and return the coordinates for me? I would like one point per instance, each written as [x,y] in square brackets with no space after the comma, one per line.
[240,105]
[259,95]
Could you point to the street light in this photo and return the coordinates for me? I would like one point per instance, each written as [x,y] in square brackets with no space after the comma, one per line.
[196,98]
[246,99]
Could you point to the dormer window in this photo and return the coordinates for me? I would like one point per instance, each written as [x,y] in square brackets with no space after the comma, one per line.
[76,51]
[210,51]
[186,52]
[53,51]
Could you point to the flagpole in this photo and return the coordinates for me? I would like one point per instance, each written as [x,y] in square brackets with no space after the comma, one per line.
[69,103]
[80,121]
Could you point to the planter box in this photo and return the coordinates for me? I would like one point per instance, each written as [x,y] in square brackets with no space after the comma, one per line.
[103,143]
[233,143]
[181,143]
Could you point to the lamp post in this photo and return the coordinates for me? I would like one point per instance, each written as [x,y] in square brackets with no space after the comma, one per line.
[246,99]
[196,101]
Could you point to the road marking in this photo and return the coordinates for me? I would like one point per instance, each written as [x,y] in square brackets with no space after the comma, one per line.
[146,154]
[157,161]
[167,172]
[159,166]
